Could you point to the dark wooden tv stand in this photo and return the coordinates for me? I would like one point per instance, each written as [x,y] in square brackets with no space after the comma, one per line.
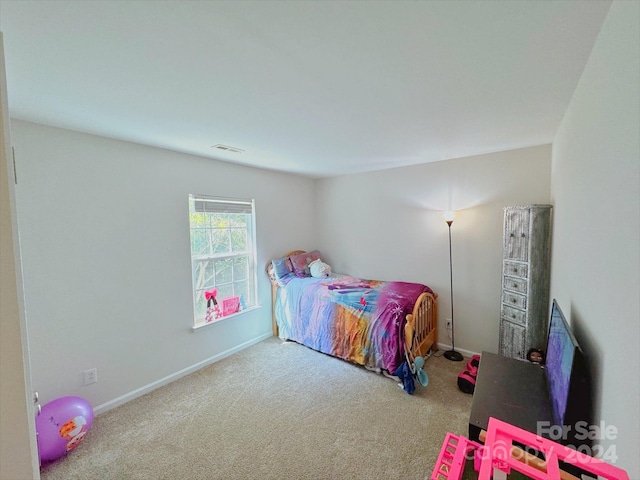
[511,390]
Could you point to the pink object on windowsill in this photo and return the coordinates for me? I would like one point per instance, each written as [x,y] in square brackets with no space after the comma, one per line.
[211,293]
[230,305]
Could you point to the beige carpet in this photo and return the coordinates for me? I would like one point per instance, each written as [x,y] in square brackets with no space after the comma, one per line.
[275,411]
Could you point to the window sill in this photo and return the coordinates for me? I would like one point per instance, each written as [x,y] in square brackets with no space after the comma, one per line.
[199,326]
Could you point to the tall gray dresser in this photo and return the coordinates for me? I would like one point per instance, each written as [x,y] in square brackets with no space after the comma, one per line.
[525,279]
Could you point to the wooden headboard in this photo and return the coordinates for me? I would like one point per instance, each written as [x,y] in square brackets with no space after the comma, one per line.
[274,288]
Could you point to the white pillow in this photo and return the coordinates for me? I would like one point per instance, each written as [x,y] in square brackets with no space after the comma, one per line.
[319,269]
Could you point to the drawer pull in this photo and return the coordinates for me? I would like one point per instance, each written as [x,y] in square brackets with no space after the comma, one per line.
[515,285]
[513,300]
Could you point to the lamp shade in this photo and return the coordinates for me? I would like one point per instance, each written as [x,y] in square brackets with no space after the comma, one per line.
[449,215]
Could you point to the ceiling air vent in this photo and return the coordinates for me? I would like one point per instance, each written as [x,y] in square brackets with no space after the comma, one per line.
[227,148]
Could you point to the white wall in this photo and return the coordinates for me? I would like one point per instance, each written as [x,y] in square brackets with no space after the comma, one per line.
[107,274]
[596,252]
[386,225]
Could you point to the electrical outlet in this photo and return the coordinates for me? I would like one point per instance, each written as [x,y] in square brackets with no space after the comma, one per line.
[90,376]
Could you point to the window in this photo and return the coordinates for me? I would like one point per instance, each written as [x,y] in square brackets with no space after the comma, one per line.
[223,261]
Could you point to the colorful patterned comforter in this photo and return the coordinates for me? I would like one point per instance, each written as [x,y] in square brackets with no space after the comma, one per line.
[358,320]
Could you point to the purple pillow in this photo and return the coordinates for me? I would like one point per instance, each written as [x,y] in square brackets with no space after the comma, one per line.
[281,271]
[300,263]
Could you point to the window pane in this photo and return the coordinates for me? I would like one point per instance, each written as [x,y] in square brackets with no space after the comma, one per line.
[242,290]
[198,274]
[238,220]
[203,274]
[224,271]
[240,268]
[238,240]
[199,241]
[209,275]
[220,241]
[225,291]
[201,305]
[198,220]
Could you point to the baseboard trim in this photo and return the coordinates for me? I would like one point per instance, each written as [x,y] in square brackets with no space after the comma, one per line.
[127,397]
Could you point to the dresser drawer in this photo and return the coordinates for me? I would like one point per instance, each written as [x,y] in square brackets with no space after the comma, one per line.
[516,269]
[512,340]
[514,300]
[514,315]
[515,284]
[516,234]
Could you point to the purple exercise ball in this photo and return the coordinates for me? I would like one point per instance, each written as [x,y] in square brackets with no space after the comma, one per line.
[61,426]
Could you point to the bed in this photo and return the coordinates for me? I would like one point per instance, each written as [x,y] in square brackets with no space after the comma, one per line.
[373,323]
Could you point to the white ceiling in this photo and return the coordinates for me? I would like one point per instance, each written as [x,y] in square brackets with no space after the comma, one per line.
[318,88]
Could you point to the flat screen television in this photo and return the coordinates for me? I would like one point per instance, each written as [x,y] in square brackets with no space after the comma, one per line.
[566,374]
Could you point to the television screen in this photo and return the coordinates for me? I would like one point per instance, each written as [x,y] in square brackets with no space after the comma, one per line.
[562,348]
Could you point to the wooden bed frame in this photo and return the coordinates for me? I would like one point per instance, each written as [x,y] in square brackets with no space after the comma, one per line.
[420,331]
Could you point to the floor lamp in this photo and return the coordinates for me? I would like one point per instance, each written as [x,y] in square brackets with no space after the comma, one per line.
[452,355]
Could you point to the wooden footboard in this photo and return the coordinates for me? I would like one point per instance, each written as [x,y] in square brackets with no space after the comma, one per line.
[421,329]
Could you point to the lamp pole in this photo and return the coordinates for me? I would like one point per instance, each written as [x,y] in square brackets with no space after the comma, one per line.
[452,354]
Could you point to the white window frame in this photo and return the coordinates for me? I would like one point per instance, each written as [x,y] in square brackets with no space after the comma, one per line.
[205,262]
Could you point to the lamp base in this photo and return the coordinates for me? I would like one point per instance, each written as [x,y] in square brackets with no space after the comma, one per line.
[453,356]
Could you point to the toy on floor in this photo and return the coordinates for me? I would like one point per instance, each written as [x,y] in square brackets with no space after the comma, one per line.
[536,355]
[412,368]
[61,425]
[467,378]
[499,456]
[453,455]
